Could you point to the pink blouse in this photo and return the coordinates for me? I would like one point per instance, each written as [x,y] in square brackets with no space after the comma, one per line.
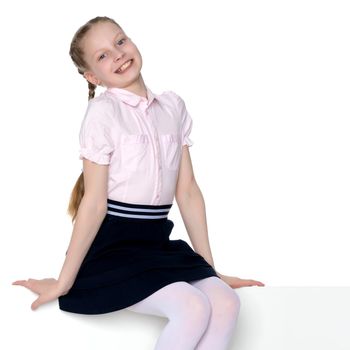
[141,140]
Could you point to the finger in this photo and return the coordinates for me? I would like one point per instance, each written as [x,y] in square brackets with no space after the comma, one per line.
[260,283]
[36,303]
[257,283]
[23,283]
[19,282]
[249,283]
[29,284]
[33,285]
[42,299]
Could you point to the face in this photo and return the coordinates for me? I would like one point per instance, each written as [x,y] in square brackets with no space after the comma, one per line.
[106,48]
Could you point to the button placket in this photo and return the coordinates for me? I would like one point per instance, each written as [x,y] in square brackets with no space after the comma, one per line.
[159,160]
[144,109]
[159,185]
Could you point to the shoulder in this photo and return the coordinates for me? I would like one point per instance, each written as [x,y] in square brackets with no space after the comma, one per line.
[99,109]
[170,96]
[103,101]
[178,102]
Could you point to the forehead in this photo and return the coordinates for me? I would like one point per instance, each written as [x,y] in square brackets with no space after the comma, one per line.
[99,35]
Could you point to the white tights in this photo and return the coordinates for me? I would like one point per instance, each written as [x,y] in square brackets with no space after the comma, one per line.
[202,314]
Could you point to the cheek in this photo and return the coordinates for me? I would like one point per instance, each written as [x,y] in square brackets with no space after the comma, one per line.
[105,66]
[135,52]
[138,57]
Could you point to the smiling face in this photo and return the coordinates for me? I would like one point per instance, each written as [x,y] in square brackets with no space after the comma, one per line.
[106,48]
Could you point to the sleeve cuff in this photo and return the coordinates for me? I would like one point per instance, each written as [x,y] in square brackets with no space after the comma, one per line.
[102,159]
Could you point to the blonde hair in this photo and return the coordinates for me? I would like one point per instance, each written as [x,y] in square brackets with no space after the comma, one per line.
[77,55]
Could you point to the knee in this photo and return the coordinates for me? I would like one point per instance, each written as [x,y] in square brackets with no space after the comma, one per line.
[197,311]
[226,310]
[233,303]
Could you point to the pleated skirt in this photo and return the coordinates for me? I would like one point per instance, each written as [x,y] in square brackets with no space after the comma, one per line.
[131,257]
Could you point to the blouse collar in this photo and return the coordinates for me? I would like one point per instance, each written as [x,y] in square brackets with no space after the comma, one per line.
[130,97]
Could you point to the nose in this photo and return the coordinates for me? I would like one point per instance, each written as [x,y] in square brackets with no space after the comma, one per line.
[117,54]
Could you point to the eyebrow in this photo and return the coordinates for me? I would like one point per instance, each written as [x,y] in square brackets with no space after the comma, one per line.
[104,48]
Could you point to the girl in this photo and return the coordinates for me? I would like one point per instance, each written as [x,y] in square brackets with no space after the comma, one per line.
[134,147]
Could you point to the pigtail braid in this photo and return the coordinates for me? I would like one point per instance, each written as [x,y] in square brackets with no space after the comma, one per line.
[76,53]
[92,88]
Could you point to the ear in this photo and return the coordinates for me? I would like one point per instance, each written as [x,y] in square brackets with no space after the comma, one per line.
[91,78]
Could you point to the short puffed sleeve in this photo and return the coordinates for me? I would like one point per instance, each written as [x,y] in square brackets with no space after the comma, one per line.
[186,121]
[96,143]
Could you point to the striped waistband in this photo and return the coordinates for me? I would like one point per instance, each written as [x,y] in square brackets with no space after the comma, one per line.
[137,211]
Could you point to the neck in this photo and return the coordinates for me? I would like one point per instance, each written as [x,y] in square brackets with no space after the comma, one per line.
[138,87]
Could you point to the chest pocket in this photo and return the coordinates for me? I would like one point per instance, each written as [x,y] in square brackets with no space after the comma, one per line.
[172,150]
[134,151]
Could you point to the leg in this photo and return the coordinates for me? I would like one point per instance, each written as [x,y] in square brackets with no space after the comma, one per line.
[225,306]
[188,311]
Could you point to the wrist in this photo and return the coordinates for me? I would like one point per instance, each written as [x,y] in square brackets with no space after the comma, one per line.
[64,287]
[218,273]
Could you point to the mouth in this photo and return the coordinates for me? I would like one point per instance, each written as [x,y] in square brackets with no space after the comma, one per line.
[124,67]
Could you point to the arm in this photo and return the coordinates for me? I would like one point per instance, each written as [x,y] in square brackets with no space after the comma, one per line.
[91,212]
[96,149]
[192,208]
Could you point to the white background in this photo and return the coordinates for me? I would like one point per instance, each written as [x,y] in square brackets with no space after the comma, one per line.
[267,86]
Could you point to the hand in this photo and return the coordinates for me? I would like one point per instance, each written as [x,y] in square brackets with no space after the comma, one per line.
[236,282]
[48,289]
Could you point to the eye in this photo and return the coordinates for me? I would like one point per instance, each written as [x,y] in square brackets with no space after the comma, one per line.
[120,40]
[99,59]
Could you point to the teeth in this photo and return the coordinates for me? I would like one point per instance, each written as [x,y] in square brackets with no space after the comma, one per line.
[124,66]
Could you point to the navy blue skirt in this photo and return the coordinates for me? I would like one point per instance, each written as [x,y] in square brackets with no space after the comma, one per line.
[131,257]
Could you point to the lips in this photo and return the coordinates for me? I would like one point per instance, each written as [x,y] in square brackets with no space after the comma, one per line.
[116,71]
